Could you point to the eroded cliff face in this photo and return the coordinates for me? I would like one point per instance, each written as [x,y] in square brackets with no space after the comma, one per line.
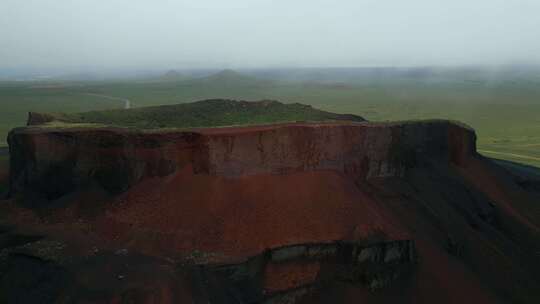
[53,162]
[37,269]
[279,275]
[343,212]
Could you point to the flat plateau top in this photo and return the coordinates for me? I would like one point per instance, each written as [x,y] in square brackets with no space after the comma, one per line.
[62,127]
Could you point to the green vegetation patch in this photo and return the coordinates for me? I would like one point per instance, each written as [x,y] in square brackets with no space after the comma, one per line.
[207,113]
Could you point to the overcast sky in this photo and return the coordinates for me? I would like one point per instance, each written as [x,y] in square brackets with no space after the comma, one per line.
[266,33]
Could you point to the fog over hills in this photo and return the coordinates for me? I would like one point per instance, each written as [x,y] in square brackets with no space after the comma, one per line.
[65,37]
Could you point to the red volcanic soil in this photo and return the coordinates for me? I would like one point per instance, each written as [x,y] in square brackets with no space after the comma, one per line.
[283,276]
[306,213]
[439,276]
[243,216]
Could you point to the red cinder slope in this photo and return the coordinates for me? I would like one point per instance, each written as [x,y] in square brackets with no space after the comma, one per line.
[333,212]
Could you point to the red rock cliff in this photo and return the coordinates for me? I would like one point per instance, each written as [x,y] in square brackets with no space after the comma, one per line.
[53,161]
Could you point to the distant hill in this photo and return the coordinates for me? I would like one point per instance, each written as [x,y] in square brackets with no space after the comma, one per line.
[173,75]
[227,75]
[227,78]
[403,75]
[206,113]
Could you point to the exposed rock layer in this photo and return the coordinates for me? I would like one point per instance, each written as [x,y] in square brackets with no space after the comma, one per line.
[54,162]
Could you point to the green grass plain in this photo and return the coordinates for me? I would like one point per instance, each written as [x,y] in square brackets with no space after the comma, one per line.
[505,115]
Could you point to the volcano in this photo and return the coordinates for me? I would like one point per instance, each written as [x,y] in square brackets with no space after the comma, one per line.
[338,210]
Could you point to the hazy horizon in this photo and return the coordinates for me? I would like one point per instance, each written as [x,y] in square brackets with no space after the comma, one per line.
[77,36]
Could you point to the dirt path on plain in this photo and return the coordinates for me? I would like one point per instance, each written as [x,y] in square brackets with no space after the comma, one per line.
[510,154]
[530,145]
[127,102]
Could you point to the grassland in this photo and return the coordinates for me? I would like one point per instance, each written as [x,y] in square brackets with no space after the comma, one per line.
[214,112]
[506,114]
